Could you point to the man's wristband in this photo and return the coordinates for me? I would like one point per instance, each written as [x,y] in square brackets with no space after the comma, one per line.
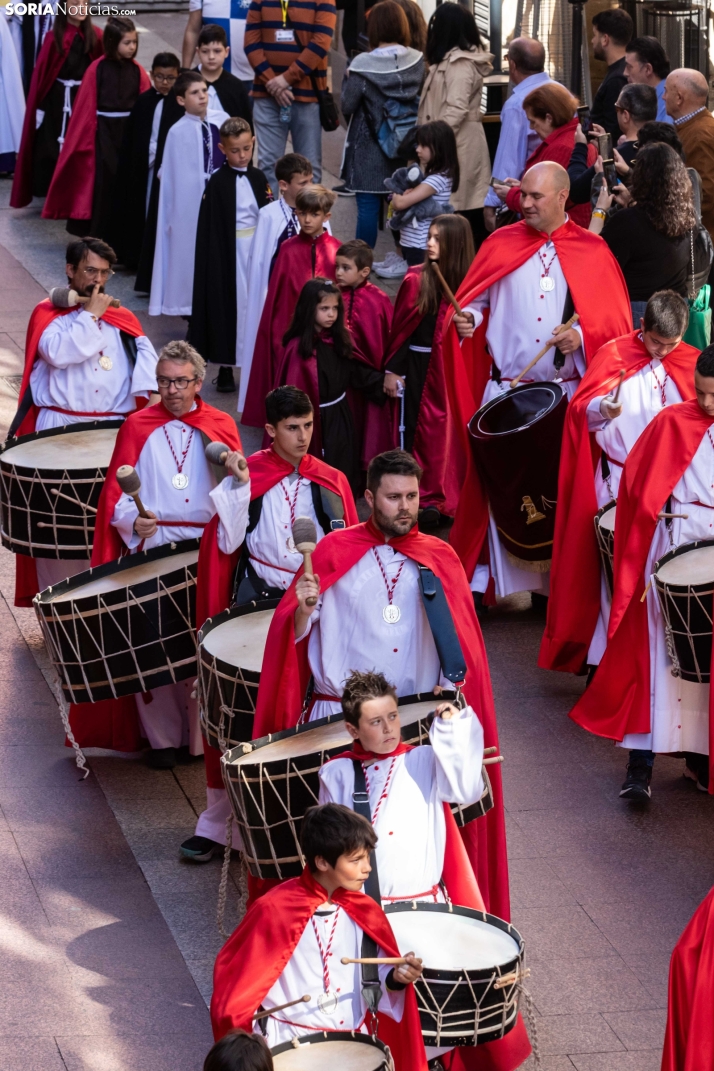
[599,214]
[392,984]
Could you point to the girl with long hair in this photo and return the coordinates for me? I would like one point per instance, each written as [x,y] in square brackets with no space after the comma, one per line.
[318,359]
[414,366]
[439,160]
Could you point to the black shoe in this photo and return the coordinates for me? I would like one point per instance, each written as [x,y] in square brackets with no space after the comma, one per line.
[636,785]
[224,382]
[162,758]
[481,610]
[592,670]
[539,602]
[429,519]
[184,756]
[342,191]
[697,769]
[199,849]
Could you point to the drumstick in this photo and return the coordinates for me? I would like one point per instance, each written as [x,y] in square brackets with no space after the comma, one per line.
[128,480]
[269,1011]
[397,961]
[445,287]
[217,453]
[551,342]
[305,540]
[617,392]
[54,491]
[666,516]
[490,762]
[490,750]
[63,297]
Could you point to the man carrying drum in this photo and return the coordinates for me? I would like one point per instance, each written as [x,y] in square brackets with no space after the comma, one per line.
[526,283]
[666,499]
[165,444]
[629,382]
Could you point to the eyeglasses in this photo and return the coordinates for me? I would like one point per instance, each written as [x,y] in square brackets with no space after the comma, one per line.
[180,384]
[169,79]
[98,273]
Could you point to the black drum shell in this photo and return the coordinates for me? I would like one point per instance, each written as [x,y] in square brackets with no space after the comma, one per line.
[20,532]
[162,646]
[518,464]
[681,602]
[338,1035]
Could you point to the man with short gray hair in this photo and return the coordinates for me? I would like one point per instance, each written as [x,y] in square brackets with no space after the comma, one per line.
[685,95]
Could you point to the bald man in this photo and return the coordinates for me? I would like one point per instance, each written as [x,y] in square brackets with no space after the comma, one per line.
[526,60]
[685,97]
[529,278]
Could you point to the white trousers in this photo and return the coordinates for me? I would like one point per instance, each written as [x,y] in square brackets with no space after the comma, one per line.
[170,719]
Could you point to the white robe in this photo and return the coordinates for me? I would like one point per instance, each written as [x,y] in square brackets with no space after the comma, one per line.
[12,96]
[679,710]
[153,146]
[521,320]
[641,399]
[247,213]
[303,973]
[183,180]
[410,822]
[68,375]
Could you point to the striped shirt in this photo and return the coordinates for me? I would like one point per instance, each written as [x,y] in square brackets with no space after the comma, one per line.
[416,233]
[271,50]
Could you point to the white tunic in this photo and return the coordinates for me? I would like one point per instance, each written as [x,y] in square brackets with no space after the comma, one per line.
[12,96]
[347,631]
[679,709]
[68,375]
[410,822]
[153,146]
[303,973]
[246,220]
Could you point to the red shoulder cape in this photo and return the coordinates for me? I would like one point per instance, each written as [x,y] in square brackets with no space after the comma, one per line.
[215,569]
[137,428]
[71,191]
[689,1038]
[301,372]
[618,699]
[286,674]
[254,957]
[48,66]
[575,574]
[583,257]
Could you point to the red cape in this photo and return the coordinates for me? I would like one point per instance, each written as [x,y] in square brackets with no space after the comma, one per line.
[583,257]
[212,423]
[574,601]
[301,372]
[71,191]
[215,569]
[254,957]
[618,699]
[48,66]
[293,267]
[368,315]
[286,674]
[689,1038]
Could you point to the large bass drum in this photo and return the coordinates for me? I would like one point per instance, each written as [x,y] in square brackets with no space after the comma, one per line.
[684,581]
[124,627]
[50,484]
[333,1051]
[515,441]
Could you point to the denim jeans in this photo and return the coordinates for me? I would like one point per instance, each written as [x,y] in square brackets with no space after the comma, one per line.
[272,135]
[638,310]
[413,255]
[368,208]
[643,756]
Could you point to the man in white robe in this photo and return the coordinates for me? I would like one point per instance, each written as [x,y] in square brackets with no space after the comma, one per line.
[12,99]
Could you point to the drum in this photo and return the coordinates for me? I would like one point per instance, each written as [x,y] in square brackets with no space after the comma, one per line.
[50,484]
[515,441]
[124,627]
[327,1052]
[605,535]
[473,964]
[271,782]
[230,657]
[684,581]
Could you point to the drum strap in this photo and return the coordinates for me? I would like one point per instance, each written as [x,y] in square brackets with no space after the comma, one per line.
[568,310]
[371,987]
[604,466]
[441,623]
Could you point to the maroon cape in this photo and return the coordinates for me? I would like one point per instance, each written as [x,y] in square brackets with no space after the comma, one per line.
[254,957]
[71,191]
[286,673]
[299,259]
[368,315]
[689,1039]
[583,257]
[48,66]
[574,601]
[301,372]
[618,699]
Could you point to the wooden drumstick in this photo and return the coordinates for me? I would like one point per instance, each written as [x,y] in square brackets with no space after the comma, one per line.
[54,491]
[617,392]
[291,1003]
[445,287]
[217,453]
[492,760]
[62,297]
[666,516]
[128,480]
[396,961]
[551,342]
[490,750]
[305,540]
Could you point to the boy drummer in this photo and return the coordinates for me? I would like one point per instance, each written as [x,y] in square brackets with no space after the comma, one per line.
[292,942]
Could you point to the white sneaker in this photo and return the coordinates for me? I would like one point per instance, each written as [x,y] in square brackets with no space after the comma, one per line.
[392,267]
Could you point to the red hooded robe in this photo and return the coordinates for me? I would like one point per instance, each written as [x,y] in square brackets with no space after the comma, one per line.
[574,601]
[71,191]
[689,1038]
[299,259]
[604,311]
[368,316]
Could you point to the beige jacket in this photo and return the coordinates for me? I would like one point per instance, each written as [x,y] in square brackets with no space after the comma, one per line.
[452,92]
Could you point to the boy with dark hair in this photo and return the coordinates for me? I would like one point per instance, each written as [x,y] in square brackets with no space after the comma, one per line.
[239,1051]
[309,254]
[293,939]
[226,224]
[224,89]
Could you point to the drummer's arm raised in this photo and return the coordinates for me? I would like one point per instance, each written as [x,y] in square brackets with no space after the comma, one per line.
[471,316]
[232,501]
[308,586]
[457,743]
[71,340]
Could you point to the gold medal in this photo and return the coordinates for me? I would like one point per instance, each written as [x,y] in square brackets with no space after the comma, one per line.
[106,363]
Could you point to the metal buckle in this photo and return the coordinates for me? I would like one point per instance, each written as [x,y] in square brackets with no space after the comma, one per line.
[360,797]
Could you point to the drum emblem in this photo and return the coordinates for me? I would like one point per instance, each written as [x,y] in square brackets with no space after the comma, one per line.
[530,507]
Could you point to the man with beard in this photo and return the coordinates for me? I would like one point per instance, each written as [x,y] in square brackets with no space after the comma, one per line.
[612,32]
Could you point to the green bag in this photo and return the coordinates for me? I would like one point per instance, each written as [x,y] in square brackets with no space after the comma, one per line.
[699,331]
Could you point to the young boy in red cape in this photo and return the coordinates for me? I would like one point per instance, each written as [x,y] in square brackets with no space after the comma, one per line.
[265,562]
[310,253]
[633,697]
[649,369]
[419,853]
[292,940]
[689,1038]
